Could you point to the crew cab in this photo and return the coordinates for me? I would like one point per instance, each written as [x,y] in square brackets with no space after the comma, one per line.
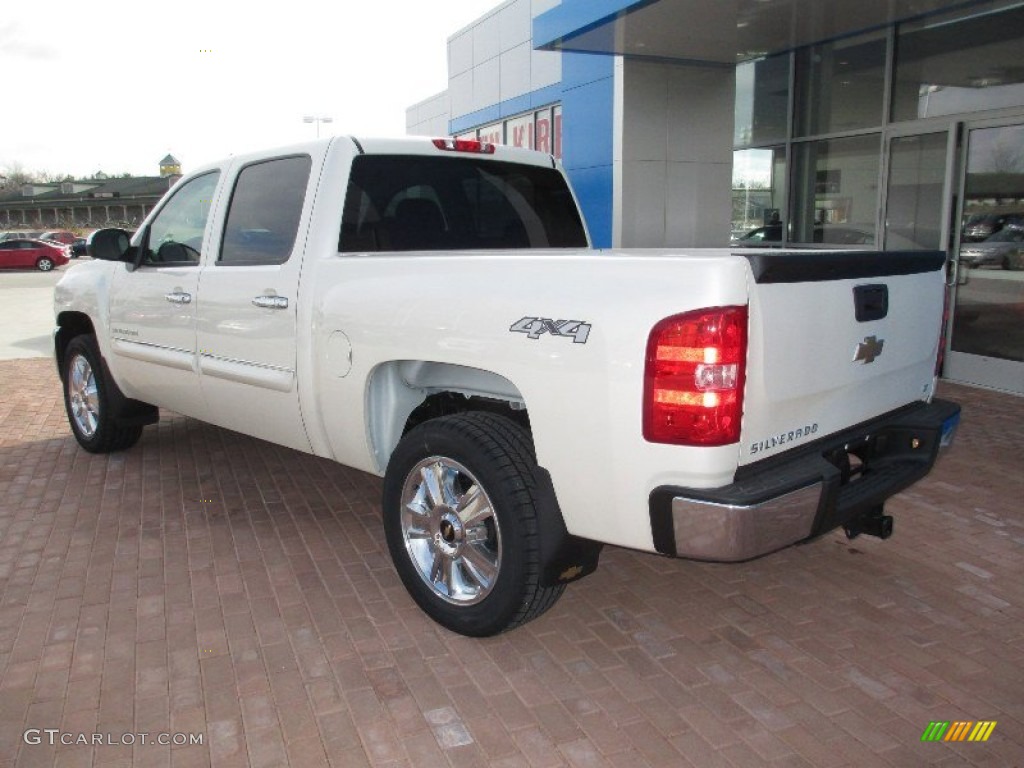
[431,311]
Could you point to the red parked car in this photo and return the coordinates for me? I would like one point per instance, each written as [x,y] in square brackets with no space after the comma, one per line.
[28,254]
[58,236]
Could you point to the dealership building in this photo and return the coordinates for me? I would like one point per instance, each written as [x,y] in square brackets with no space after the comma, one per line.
[888,124]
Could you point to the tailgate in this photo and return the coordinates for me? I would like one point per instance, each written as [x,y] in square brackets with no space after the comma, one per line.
[836,339]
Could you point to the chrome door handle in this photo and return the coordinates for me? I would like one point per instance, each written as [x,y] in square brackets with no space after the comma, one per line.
[271,302]
[179,297]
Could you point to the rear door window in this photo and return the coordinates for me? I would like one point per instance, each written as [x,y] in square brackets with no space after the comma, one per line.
[414,203]
[266,204]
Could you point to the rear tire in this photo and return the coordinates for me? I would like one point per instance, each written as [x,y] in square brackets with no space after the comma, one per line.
[460,520]
[87,400]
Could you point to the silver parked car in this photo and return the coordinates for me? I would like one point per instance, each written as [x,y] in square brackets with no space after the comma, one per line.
[1003,249]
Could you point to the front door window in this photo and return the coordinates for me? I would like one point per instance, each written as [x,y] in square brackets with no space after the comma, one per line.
[176,234]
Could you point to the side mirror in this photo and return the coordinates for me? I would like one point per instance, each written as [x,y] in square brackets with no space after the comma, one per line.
[110,245]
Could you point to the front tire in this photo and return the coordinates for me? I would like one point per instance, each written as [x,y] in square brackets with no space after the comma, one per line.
[460,520]
[87,400]
[44,264]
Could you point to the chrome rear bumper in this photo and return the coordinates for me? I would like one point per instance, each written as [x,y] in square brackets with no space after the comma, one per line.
[804,492]
[708,531]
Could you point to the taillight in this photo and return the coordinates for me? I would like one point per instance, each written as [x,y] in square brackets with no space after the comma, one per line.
[693,379]
[465,145]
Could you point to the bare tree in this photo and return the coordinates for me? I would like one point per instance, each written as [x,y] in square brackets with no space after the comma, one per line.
[45,177]
[17,175]
[1006,157]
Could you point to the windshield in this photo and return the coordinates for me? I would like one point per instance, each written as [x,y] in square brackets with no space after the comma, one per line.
[423,203]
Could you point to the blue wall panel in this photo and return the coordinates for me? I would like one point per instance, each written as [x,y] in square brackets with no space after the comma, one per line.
[593,190]
[588,107]
[473,119]
[574,17]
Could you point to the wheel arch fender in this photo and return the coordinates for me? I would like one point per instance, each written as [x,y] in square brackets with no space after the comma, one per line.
[395,389]
[126,410]
[399,390]
[69,325]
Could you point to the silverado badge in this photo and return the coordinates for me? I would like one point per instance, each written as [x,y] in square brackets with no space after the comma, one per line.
[868,350]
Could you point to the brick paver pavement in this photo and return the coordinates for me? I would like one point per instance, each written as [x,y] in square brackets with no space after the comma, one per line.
[207,583]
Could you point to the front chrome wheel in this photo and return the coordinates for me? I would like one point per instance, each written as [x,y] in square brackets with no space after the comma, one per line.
[94,404]
[83,396]
[450,530]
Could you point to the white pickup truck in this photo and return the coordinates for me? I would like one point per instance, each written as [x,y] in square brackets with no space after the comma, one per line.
[431,311]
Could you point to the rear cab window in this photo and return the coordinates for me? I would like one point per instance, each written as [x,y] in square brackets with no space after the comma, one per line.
[423,203]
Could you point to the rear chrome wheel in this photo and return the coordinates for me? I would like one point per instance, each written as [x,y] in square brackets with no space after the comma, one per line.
[460,517]
[450,530]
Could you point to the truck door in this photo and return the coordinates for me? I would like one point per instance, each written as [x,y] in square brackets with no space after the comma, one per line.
[246,315]
[153,307]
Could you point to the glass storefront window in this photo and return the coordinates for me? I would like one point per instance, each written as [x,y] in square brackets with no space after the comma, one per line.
[556,128]
[758,193]
[947,68]
[913,212]
[762,101]
[519,131]
[540,130]
[493,134]
[840,85]
[835,191]
[543,125]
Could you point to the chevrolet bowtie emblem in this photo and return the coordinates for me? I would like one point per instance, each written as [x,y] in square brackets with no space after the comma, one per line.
[869,349]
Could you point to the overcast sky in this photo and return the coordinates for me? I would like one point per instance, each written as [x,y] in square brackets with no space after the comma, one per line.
[113,85]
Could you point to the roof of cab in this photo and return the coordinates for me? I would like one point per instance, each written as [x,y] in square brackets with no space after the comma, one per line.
[419,145]
[405,145]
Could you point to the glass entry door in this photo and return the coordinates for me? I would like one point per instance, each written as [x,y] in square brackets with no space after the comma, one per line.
[987,332]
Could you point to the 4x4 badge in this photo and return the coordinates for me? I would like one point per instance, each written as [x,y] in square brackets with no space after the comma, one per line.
[535,327]
[869,349]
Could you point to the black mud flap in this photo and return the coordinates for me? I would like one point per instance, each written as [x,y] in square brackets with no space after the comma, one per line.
[563,557]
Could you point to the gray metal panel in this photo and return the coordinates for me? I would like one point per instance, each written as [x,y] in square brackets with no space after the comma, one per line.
[515,72]
[460,53]
[515,24]
[545,69]
[486,84]
[460,91]
[486,40]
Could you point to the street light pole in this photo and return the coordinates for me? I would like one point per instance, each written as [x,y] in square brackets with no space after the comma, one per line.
[317,119]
